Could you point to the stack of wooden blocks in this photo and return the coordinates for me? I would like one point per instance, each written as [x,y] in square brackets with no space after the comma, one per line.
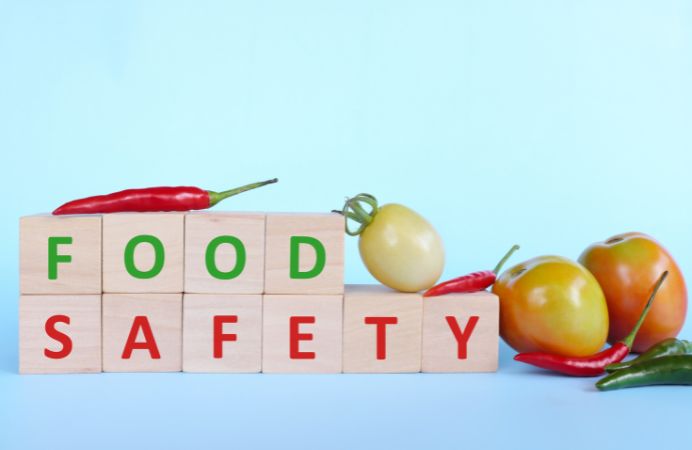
[228,292]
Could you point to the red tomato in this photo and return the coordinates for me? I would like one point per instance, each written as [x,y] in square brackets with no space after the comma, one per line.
[627,266]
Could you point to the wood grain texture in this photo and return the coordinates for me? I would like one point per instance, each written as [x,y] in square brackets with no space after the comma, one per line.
[440,348]
[328,228]
[243,355]
[326,333]
[120,228]
[403,339]
[201,227]
[164,315]
[84,330]
[80,276]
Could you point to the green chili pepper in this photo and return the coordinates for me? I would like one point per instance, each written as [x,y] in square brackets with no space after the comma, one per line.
[671,369]
[669,346]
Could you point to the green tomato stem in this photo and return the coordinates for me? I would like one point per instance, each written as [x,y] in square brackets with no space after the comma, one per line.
[629,340]
[370,200]
[348,215]
[504,260]
[359,214]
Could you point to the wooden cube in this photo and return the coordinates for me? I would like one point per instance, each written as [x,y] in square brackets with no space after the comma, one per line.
[224,252]
[461,333]
[142,332]
[143,253]
[304,253]
[60,254]
[382,330]
[222,333]
[302,334]
[59,334]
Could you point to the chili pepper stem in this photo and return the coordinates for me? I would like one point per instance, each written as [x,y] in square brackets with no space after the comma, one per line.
[629,340]
[216,197]
[504,260]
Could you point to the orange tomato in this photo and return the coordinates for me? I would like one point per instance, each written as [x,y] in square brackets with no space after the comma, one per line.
[627,267]
[552,304]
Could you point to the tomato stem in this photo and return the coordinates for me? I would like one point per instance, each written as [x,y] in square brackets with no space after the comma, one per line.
[364,217]
[348,215]
[504,260]
[359,214]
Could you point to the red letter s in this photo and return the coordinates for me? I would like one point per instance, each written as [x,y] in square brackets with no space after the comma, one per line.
[58,336]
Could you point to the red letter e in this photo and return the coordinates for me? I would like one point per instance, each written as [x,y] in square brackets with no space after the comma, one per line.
[296,337]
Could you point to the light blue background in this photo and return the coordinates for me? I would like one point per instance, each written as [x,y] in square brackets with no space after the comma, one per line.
[544,123]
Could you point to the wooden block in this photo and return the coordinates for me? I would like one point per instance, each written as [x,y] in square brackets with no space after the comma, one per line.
[60,254]
[222,333]
[302,334]
[213,242]
[59,334]
[142,332]
[143,253]
[461,333]
[314,243]
[382,330]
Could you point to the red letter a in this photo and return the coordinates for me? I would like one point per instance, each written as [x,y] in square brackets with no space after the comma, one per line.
[149,341]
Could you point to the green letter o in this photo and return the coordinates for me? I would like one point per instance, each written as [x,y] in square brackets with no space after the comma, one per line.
[130,256]
[210,257]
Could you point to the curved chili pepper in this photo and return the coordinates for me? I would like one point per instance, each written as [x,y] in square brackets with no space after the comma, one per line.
[473,282]
[670,346]
[670,369]
[182,198]
[590,366]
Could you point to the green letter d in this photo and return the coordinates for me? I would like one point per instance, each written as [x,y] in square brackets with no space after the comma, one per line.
[321,257]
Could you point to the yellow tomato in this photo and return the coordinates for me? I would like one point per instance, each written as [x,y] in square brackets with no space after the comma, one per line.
[402,250]
[554,305]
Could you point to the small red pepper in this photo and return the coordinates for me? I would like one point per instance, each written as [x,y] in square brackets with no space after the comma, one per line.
[473,282]
[594,365]
[182,198]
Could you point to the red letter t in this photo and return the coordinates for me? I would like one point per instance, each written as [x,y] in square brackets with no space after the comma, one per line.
[381,323]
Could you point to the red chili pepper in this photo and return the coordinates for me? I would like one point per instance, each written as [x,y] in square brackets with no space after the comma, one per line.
[594,365]
[473,282]
[181,198]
